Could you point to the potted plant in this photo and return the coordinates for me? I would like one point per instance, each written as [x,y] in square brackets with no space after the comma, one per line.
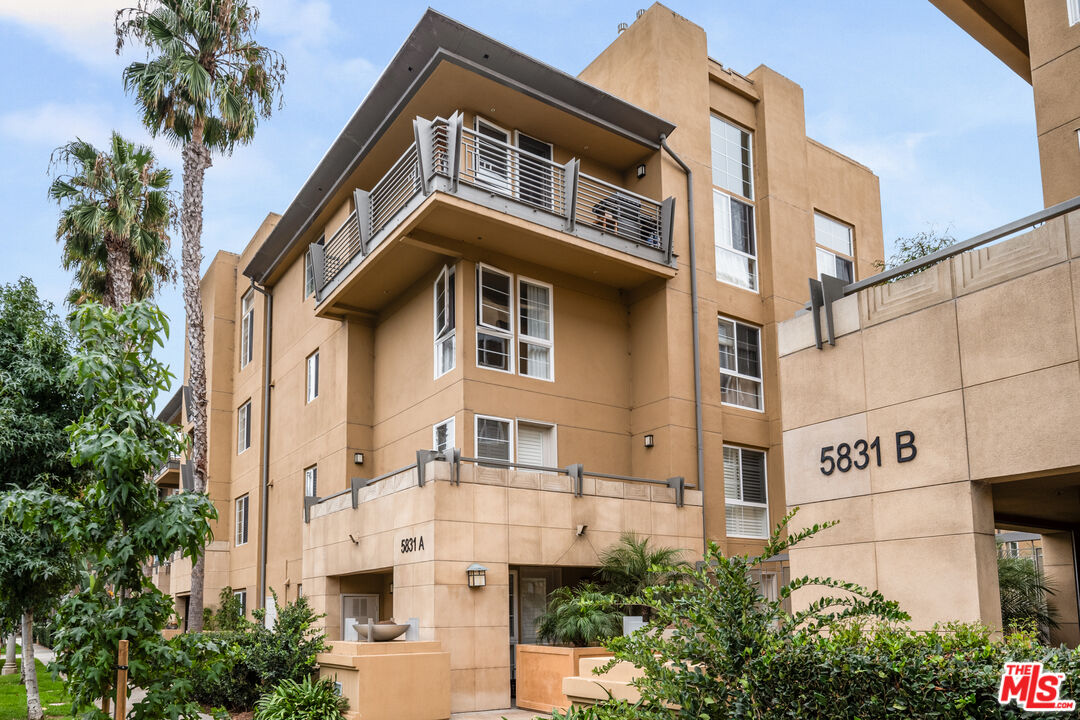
[630,566]
[576,621]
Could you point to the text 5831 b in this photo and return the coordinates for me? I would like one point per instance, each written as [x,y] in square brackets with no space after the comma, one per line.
[859,454]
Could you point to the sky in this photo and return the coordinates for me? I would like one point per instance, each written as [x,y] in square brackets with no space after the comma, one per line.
[894,84]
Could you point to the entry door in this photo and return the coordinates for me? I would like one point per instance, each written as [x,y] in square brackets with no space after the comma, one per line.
[513,626]
[534,175]
[493,157]
[356,609]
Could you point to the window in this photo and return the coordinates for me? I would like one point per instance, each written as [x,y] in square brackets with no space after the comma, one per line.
[241,595]
[243,427]
[534,330]
[442,435]
[1074,11]
[536,444]
[740,364]
[247,327]
[494,438]
[299,590]
[495,327]
[733,236]
[313,376]
[242,520]
[495,330]
[835,248]
[732,158]
[311,481]
[745,493]
[445,321]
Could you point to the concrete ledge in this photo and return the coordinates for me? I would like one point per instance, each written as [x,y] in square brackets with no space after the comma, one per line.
[396,680]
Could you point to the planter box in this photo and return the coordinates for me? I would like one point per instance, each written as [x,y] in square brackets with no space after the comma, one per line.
[540,673]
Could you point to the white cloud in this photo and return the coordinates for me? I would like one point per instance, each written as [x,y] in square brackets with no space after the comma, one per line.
[83,28]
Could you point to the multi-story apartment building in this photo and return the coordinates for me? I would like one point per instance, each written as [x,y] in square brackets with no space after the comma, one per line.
[499,265]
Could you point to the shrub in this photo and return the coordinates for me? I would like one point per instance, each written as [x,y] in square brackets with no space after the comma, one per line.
[578,616]
[1024,590]
[230,613]
[305,700]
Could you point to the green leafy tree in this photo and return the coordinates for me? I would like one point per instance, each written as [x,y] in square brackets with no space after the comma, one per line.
[115,213]
[579,616]
[119,521]
[631,565]
[36,403]
[915,247]
[205,86]
[713,634]
[1024,591]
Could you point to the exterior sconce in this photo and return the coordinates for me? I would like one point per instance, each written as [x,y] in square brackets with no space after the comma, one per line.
[477,575]
[641,171]
[358,458]
[649,441]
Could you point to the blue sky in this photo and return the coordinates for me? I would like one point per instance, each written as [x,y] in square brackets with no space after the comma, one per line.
[892,83]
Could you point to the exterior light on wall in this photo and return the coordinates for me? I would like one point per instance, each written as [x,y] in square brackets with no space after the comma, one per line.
[649,441]
[641,171]
[477,575]
[358,458]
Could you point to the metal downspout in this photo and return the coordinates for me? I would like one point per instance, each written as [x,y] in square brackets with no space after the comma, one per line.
[264,461]
[695,333]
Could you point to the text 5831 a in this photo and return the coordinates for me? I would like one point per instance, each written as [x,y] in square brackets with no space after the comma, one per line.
[859,454]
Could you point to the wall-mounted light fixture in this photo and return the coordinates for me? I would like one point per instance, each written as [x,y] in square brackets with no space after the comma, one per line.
[358,458]
[477,575]
[581,529]
[641,171]
[649,441]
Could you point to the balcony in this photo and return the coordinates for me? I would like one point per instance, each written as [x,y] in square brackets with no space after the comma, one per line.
[455,184]
[168,475]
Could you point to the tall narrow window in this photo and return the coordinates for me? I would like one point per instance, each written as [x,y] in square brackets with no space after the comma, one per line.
[241,595]
[732,158]
[835,248]
[247,327]
[243,427]
[740,364]
[733,210]
[442,435]
[745,493]
[494,319]
[313,376]
[534,330]
[1074,11]
[494,438]
[311,481]
[445,333]
[242,520]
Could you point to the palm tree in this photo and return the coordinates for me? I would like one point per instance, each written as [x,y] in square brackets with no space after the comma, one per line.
[115,214]
[630,566]
[205,85]
[1024,590]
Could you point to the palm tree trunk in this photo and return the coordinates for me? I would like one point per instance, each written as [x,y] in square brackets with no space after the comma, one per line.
[119,271]
[196,160]
[33,697]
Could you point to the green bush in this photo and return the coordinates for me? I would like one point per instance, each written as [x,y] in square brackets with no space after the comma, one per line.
[255,659]
[578,616]
[305,700]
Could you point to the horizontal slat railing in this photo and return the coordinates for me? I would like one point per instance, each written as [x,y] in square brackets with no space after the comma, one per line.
[506,170]
[396,188]
[617,211]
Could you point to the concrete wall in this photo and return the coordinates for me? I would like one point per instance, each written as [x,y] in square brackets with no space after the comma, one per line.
[977,358]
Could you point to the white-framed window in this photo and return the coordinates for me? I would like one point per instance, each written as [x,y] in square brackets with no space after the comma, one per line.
[494,319]
[746,499]
[311,481]
[535,330]
[496,339]
[312,376]
[1073,7]
[536,444]
[241,595]
[494,438]
[835,248]
[442,435]
[740,364]
[735,241]
[243,427]
[247,327]
[445,322]
[242,520]
[732,158]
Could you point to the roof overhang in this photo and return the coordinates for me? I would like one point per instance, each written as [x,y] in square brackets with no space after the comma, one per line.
[434,40]
[998,25]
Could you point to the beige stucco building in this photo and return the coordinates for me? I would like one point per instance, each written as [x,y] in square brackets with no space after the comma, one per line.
[488,331]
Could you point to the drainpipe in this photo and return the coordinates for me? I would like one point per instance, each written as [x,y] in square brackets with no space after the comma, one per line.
[265,459]
[696,334]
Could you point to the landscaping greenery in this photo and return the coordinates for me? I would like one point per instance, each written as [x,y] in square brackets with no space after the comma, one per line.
[305,700]
[55,702]
[1024,590]
[578,616]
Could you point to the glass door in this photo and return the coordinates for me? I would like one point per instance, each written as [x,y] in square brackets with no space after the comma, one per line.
[493,157]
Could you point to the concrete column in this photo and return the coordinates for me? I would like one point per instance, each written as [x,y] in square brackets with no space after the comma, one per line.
[1060,570]
[9,661]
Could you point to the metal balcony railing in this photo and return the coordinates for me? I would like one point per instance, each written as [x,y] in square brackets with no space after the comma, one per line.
[449,153]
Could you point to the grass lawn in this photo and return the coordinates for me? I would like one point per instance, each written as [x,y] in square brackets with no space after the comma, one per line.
[13,696]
